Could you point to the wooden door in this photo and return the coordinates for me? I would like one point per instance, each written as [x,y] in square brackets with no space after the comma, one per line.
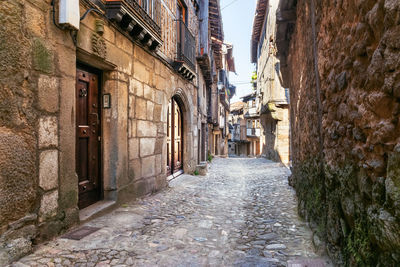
[216,143]
[177,137]
[169,140]
[203,141]
[198,146]
[258,148]
[88,137]
[174,138]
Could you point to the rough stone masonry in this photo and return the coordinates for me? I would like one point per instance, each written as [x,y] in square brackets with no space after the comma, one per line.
[345,54]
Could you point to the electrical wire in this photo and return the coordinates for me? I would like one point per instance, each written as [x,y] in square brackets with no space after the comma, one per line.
[90,10]
[229,4]
[54,16]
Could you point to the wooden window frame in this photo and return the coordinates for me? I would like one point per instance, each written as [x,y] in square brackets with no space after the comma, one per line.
[182,5]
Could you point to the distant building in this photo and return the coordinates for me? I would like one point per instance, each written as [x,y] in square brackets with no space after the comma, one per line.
[245,127]
[253,127]
[272,97]
[237,125]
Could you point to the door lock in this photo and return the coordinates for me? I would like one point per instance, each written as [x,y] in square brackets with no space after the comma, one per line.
[97,117]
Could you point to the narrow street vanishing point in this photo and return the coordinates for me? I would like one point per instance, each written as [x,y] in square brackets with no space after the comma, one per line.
[243,213]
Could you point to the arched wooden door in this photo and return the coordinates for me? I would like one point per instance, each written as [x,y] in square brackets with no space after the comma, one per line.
[174,137]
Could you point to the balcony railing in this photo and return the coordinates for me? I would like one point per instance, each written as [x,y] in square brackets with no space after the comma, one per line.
[251,112]
[253,132]
[186,45]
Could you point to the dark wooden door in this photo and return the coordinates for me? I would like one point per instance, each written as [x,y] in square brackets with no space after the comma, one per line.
[203,142]
[174,138]
[88,137]
[199,147]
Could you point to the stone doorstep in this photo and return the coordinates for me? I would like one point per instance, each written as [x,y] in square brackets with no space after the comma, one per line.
[202,168]
[96,209]
[173,176]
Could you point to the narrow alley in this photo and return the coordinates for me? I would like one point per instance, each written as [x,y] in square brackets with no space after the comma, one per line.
[243,213]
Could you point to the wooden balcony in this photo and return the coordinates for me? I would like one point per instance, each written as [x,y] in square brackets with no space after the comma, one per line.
[253,132]
[140,21]
[185,54]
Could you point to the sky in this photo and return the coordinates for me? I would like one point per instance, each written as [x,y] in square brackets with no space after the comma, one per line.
[237,20]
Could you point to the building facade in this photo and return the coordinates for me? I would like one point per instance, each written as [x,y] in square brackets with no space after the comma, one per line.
[245,128]
[273,98]
[216,61]
[101,102]
[253,126]
[237,127]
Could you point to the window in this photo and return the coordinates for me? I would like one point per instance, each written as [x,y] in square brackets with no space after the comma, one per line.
[181,11]
[150,6]
[146,5]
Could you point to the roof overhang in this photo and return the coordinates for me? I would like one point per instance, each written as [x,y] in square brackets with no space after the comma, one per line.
[216,29]
[285,24]
[259,18]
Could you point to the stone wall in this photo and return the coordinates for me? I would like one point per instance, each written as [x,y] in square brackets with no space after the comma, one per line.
[149,96]
[32,59]
[275,135]
[38,61]
[346,172]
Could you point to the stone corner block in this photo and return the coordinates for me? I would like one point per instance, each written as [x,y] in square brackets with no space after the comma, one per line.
[148,166]
[48,129]
[48,170]
[133,148]
[146,129]
[48,93]
[147,146]
[48,205]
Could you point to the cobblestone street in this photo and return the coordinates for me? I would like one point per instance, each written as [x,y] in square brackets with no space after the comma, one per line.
[243,213]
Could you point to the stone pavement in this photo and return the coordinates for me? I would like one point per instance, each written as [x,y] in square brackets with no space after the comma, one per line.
[243,213]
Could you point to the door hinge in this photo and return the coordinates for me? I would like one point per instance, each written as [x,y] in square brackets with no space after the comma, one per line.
[99,138]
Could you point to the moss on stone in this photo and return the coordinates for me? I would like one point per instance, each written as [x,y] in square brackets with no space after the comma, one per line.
[309,184]
[393,169]
[42,57]
[321,194]
[358,248]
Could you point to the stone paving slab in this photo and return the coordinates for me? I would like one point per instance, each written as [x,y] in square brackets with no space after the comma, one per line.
[243,213]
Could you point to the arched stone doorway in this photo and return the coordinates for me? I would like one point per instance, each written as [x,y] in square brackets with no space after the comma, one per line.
[175,136]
